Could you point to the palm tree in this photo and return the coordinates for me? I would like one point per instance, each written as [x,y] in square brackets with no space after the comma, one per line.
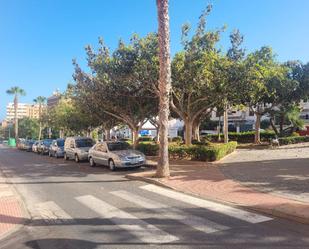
[40,100]
[16,91]
[164,86]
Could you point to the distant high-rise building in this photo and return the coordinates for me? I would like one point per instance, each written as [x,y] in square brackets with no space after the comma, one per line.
[53,100]
[23,110]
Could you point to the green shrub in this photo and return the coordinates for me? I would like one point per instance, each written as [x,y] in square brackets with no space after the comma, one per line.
[202,152]
[293,140]
[295,134]
[149,149]
[177,139]
[178,151]
[145,139]
[245,137]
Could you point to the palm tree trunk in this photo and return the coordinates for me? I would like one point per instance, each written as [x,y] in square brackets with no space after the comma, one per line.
[40,128]
[164,86]
[15,116]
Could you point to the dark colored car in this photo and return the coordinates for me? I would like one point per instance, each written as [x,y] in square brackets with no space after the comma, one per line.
[43,147]
[56,148]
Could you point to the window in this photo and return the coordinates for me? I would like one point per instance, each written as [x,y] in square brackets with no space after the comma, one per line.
[101,147]
[72,145]
[60,143]
[84,143]
[117,146]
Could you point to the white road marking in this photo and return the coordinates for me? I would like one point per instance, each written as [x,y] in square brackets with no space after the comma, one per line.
[213,206]
[142,230]
[196,222]
[6,193]
[52,213]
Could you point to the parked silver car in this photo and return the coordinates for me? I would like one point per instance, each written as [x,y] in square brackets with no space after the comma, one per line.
[77,148]
[115,155]
[35,146]
[43,146]
[56,148]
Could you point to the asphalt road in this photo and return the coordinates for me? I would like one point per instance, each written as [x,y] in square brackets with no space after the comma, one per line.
[74,206]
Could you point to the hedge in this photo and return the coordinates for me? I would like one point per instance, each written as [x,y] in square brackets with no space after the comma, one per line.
[149,149]
[209,153]
[145,139]
[293,140]
[244,137]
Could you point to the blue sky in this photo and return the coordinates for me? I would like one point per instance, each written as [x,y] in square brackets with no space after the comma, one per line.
[39,38]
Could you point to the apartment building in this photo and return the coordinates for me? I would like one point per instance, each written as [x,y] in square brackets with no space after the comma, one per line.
[23,110]
[54,99]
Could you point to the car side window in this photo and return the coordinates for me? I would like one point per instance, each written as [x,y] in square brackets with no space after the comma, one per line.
[72,145]
[101,148]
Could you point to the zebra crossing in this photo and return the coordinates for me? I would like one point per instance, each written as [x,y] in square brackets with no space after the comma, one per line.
[141,229]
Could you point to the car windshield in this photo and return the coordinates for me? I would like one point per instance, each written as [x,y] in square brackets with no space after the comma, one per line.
[84,143]
[47,142]
[60,143]
[117,146]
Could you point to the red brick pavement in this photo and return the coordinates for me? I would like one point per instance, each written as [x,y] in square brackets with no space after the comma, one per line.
[207,181]
[12,212]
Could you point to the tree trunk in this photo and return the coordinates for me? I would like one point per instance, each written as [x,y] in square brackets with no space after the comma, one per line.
[157,137]
[40,124]
[164,86]
[15,116]
[135,137]
[272,123]
[226,125]
[281,124]
[196,131]
[40,130]
[219,129]
[188,132]
[107,134]
[257,137]
[61,133]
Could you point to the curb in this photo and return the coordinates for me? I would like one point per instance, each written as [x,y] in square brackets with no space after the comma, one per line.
[272,212]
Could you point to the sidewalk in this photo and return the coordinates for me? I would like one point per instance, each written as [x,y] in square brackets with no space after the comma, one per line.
[12,211]
[207,181]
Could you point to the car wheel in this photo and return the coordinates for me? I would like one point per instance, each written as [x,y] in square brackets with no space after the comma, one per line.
[76,159]
[91,161]
[66,157]
[111,165]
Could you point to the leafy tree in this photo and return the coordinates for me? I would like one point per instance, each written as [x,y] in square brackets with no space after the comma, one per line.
[28,128]
[261,72]
[16,91]
[229,77]
[193,74]
[121,84]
